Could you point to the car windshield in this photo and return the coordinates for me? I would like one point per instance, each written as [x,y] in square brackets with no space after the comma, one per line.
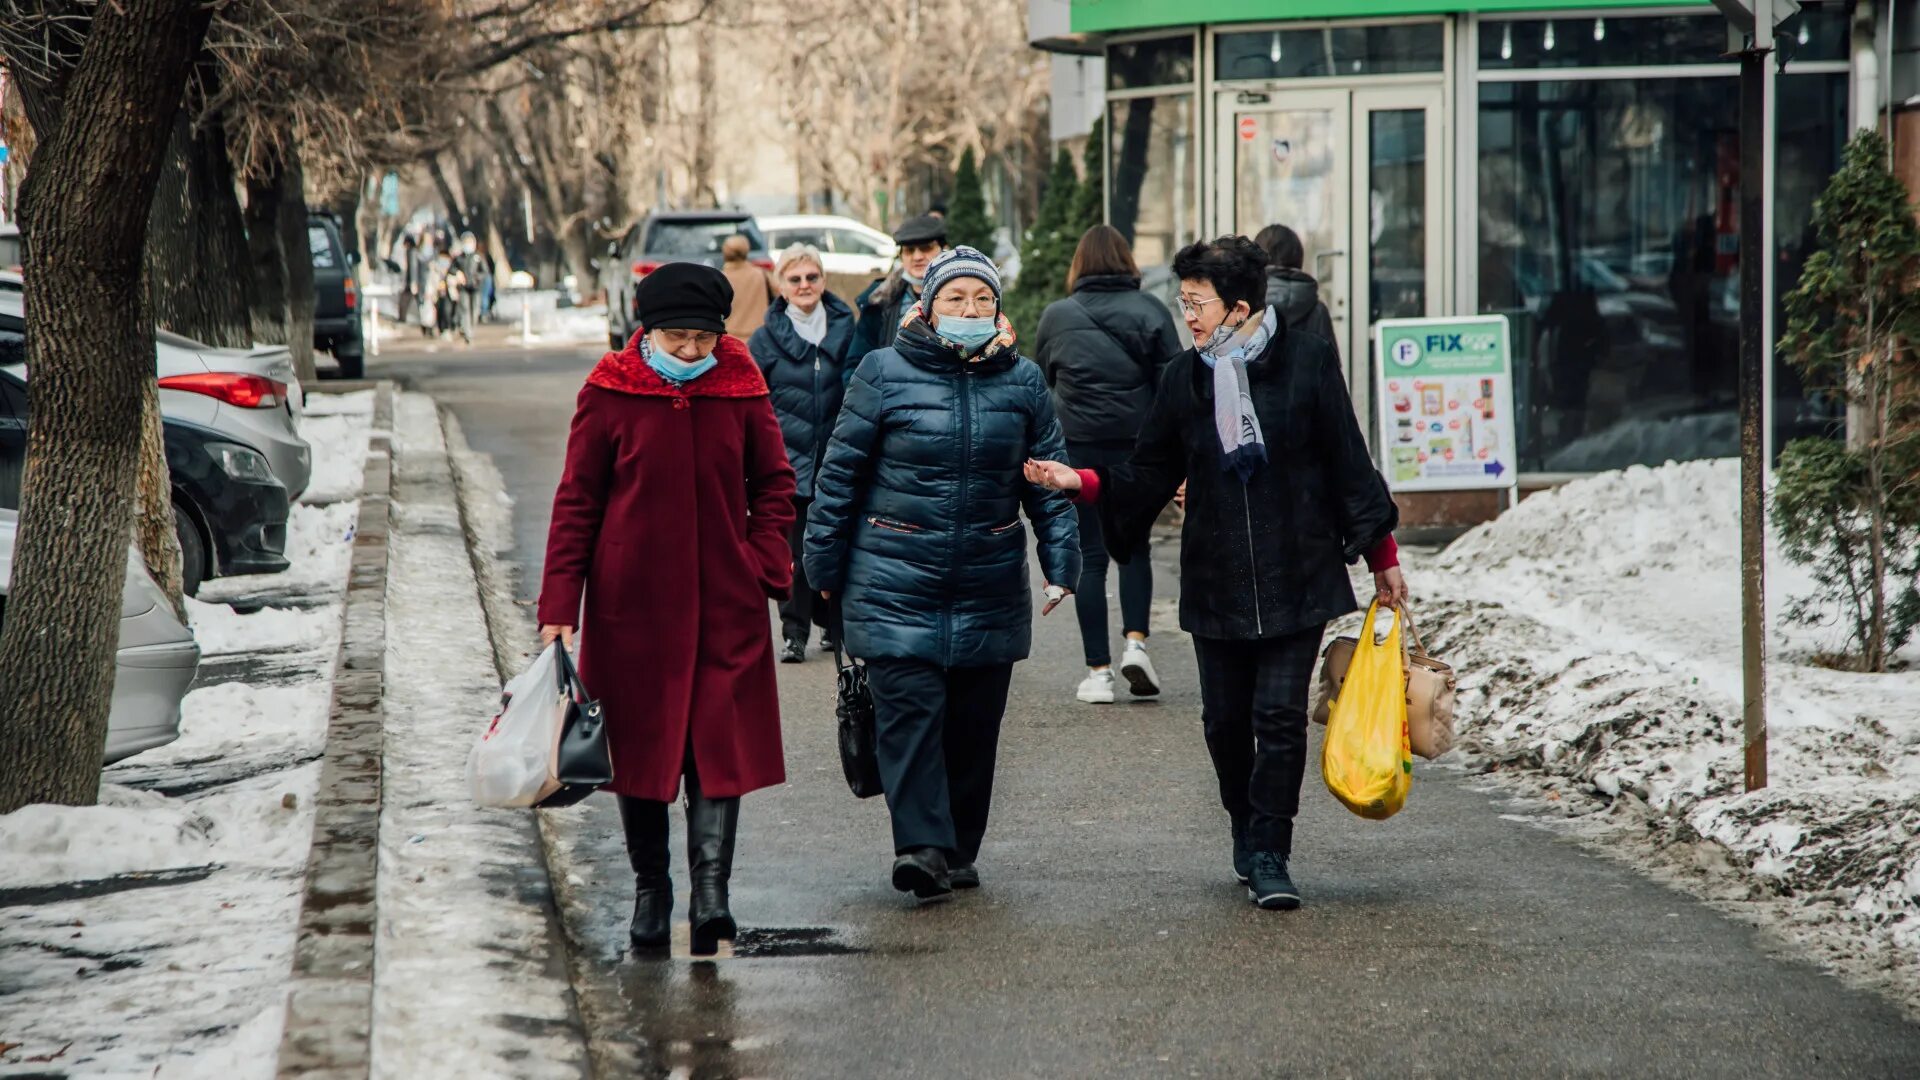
[690,238]
[324,257]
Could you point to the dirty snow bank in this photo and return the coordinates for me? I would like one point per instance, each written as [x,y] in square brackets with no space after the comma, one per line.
[1596,630]
[152,935]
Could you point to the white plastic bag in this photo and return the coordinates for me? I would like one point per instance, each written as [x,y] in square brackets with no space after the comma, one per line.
[511,763]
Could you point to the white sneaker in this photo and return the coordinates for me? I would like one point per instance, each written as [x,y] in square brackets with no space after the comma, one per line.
[1097,687]
[1137,669]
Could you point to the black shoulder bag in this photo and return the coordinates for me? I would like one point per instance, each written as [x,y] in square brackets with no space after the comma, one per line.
[859,759]
[582,760]
[1113,337]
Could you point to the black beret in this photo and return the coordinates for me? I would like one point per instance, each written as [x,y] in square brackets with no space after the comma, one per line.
[684,296]
[920,230]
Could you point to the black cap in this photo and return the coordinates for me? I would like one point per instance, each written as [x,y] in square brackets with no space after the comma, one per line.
[920,230]
[684,296]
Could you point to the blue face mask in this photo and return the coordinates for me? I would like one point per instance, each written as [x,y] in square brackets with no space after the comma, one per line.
[967,331]
[676,370]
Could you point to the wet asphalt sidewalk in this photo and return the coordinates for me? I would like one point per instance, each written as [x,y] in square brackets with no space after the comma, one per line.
[1110,938]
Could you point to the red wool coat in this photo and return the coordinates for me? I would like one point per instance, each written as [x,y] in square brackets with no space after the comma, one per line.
[671,524]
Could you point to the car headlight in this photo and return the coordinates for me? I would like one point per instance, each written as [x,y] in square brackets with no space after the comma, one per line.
[241,463]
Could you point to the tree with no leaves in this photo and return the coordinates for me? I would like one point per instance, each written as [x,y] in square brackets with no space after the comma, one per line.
[100,84]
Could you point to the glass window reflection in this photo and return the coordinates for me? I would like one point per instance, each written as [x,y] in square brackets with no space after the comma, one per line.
[1152,198]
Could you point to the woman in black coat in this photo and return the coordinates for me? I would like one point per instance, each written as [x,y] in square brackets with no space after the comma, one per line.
[1102,350]
[802,350]
[916,531]
[1281,495]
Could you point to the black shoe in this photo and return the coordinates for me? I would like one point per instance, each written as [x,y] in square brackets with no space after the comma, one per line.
[827,644]
[645,823]
[1269,885]
[924,874]
[1242,857]
[964,876]
[794,652]
[711,826]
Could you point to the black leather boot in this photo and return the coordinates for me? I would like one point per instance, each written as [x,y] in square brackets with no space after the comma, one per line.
[645,823]
[711,825]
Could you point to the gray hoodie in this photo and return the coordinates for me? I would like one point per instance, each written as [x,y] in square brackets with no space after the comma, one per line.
[1297,296]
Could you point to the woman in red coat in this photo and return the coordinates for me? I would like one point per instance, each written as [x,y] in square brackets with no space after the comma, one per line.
[670,524]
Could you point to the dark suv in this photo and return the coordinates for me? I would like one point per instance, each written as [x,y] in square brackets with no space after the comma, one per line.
[667,237]
[336,297]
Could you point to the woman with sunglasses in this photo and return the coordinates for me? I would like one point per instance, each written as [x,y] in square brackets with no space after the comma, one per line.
[802,351]
[670,530]
[916,531]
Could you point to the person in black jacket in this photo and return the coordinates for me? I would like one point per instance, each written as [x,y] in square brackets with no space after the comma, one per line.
[802,350]
[916,532]
[1102,350]
[1291,290]
[1281,495]
[885,303]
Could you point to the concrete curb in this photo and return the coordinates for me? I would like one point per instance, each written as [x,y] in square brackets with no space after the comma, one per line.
[329,1024]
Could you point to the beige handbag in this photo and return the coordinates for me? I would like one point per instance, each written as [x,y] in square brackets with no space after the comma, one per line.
[1430,691]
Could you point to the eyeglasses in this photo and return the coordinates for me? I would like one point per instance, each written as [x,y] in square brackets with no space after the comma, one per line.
[807,279]
[1192,307]
[965,305]
[699,339]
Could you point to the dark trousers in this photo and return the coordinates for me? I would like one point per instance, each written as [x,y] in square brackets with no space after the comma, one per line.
[936,733]
[804,610]
[1253,702]
[1090,596]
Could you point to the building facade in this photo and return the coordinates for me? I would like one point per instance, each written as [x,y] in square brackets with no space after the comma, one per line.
[1571,166]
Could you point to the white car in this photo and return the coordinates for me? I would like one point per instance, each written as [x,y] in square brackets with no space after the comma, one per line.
[846,246]
[155,664]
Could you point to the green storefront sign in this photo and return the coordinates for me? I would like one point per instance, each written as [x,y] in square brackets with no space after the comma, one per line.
[1445,403]
[1121,16]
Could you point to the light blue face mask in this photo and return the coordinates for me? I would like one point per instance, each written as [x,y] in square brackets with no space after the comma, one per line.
[967,331]
[675,370]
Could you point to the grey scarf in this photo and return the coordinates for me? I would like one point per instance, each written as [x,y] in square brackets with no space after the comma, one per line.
[1243,448]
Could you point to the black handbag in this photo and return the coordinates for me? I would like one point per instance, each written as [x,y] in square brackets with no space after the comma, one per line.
[582,760]
[859,759]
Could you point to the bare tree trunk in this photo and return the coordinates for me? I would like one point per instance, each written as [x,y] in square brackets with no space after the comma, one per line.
[153,529]
[197,241]
[85,212]
[703,129]
[282,264]
[1878,391]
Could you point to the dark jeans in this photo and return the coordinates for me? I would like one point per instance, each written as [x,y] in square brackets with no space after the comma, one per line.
[1090,595]
[937,731]
[1253,702]
[803,610]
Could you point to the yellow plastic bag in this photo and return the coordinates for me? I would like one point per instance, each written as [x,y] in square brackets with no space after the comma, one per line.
[1365,757]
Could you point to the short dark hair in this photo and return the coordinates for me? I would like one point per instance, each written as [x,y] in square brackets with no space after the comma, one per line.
[1234,265]
[1282,246]
[1102,251]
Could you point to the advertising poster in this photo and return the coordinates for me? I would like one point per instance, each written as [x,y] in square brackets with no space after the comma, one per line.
[1445,403]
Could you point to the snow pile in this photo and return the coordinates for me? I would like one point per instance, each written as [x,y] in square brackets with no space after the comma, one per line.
[221,630]
[566,326]
[1596,632]
[336,426]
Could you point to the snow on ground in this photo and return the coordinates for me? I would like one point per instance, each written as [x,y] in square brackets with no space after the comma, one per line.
[460,988]
[150,936]
[1596,632]
[335,426]
[566,326]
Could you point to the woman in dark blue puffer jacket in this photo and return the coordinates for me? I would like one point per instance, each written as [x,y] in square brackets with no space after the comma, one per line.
[916,530]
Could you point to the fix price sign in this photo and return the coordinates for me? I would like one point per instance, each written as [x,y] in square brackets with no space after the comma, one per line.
[1445,403]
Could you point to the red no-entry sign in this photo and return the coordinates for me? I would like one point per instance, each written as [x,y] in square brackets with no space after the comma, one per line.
[1249,127]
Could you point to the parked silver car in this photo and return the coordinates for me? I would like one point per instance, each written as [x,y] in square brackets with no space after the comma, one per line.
[155,665]
[251,395]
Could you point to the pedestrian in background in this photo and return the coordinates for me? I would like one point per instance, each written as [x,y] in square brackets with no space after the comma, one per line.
[467,268]
[1292,291]
[442,286]
[883,304]
[410,278]
[752,292]
[1102,350]
[670,528]
[1282,493]
[916,532]
[801,350]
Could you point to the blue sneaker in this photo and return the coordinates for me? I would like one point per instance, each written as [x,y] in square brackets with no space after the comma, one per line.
[1269,885]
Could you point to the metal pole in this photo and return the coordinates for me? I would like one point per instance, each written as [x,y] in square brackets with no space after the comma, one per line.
[1753,371]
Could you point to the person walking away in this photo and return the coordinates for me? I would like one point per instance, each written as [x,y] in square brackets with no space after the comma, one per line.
[445,286]
[467,271]
[410,278]
[1281,495]
[916,532]
[1293,292]
[752,292]
[483,290]
[801,351]
[670,529]
[883,304]
[1102,350]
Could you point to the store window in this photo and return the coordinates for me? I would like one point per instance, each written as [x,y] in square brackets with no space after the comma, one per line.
[1328,51]
[1132,65]
[1152,191]
[1609,233]
[1809,140]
